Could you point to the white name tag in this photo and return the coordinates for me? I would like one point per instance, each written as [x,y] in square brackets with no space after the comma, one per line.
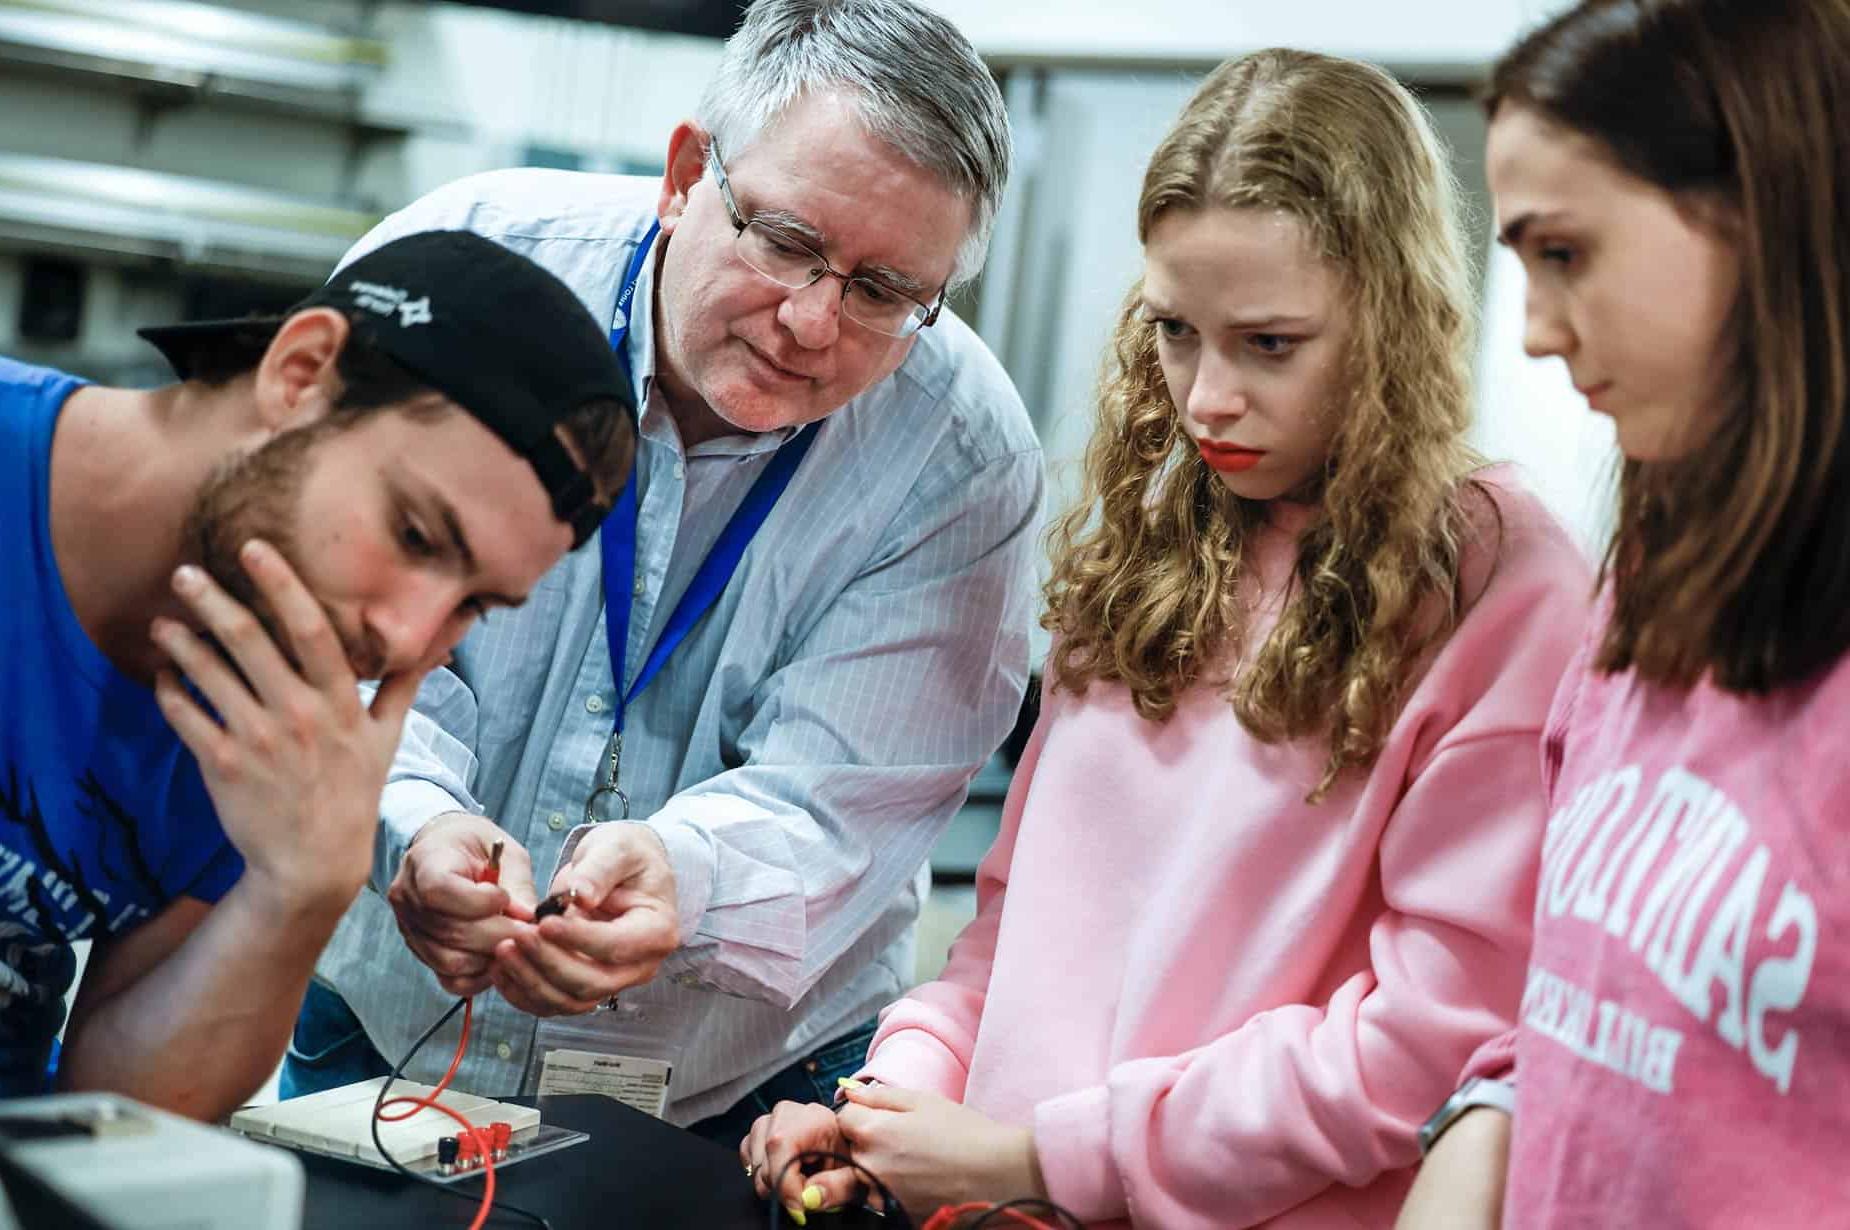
[641,1083]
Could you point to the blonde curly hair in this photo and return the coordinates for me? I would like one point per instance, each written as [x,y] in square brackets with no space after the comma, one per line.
[1146,583]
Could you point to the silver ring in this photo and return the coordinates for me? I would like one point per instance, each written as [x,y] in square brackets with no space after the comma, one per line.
[750,1171]
[608,1004]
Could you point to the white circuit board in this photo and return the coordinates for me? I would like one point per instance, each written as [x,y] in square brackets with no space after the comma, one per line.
[338,1123]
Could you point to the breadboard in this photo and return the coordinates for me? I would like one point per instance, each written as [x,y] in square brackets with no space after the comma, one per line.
[338,1123]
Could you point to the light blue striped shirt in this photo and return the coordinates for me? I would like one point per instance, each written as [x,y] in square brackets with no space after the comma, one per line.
[803,749]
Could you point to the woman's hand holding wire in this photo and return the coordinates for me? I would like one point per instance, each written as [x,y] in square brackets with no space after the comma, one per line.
[769,1153]
[932,1151]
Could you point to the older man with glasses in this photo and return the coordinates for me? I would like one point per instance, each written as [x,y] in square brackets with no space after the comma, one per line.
[798,637]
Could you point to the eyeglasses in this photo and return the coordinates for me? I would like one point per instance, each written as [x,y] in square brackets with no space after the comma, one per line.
[790,262]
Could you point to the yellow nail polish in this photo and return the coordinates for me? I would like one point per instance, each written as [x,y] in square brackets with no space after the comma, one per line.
[797,1215]
[848,1082]
[812,1197]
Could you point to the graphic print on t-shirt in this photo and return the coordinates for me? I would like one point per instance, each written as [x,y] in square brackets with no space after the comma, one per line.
[48,898]
[1671,874]
[52,892]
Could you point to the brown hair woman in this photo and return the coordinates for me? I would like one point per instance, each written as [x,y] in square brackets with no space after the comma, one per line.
[1674,176]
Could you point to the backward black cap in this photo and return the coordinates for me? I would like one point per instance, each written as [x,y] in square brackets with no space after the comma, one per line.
[491,330]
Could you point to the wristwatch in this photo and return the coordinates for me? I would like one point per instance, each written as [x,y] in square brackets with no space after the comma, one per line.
[1478,1091]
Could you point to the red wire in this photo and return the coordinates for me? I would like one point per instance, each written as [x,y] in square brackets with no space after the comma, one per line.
[484,1141]
[949,1216]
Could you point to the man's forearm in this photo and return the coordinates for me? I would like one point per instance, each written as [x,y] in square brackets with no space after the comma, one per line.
[198,1029]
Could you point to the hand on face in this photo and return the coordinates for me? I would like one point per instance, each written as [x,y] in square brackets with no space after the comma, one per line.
[932,1151]
[451,920]
[623,924]
[294,761]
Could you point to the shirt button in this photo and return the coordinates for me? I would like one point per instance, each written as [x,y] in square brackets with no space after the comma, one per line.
[680,471]
[594,703]
[556,821]
[639,588]
[503,1050]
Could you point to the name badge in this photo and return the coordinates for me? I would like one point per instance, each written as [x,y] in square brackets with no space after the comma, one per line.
[629,1079]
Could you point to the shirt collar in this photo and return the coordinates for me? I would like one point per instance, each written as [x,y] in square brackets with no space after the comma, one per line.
[639,346]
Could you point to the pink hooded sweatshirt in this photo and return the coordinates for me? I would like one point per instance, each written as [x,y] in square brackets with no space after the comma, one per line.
[1218,1005]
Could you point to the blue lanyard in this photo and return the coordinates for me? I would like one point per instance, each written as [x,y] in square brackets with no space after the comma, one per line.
[618,541]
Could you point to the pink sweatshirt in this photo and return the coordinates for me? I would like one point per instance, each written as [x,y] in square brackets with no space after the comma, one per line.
[1217,1005]
[1684,1056]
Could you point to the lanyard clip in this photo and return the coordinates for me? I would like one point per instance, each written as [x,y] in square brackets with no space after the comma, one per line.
[591,804]
[609,785]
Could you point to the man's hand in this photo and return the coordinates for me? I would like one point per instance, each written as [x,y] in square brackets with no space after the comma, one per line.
[1460,1185]
[622,926]
[295,763]
[932,1151]
[450,919]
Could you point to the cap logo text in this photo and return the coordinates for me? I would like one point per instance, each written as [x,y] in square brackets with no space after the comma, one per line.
[391,300]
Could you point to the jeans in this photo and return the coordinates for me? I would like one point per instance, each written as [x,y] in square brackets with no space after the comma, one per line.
[329,1049]
[810,1079]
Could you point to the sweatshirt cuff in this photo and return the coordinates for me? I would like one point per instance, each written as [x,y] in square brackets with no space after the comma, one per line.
[1072,1137]
[1496,1059]
[914,1059]
[406,806]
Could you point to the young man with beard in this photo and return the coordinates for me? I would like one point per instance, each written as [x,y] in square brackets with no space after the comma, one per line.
[196,579]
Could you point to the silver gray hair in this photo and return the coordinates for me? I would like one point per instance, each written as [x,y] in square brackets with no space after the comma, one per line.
[916,81]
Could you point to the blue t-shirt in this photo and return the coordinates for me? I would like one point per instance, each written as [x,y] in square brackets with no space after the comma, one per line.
[104,819]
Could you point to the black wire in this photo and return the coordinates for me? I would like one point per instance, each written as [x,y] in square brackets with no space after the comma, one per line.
[445,1188]
[890,1207]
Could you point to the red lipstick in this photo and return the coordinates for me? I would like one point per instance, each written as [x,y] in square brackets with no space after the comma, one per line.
[1229,458]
